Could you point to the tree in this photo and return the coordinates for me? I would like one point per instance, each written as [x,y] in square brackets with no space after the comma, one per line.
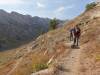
[90,6]
[53,24]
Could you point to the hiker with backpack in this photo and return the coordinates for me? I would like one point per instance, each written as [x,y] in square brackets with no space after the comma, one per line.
[76,35]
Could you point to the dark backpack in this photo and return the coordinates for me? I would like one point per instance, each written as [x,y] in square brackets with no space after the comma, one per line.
[77,32]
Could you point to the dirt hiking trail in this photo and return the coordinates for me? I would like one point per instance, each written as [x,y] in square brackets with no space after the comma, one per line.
[70,62]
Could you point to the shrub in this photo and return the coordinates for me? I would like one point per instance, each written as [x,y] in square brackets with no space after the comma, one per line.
[53,24]
[97,57]
[90,6]
[38,67]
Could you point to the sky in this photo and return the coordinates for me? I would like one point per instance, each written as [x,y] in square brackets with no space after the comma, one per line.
[61,9]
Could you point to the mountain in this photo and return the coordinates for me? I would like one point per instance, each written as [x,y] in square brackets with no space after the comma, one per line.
[51,53]
[17,29]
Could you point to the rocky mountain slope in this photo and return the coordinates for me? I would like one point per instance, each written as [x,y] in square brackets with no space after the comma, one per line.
[53,53]
[16,29]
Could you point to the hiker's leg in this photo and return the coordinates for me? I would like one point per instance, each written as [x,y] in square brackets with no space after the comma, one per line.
[74,41]
[71,37]
[77,40]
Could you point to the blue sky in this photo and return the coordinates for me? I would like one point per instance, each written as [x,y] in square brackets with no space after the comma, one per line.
[61,9]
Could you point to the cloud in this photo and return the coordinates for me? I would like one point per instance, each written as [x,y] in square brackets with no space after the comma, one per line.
[40,5]
[63,8]
[70,7]
[8,2]
[59,12]
[60,9]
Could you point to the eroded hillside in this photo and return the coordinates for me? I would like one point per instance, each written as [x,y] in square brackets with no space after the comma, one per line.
[54,49]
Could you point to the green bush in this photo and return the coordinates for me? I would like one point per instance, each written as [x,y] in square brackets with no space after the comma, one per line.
[38,67]
[53,24]
[90,6]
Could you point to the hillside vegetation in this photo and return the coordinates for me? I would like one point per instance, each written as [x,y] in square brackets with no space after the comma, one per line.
[52,51]
[90,6]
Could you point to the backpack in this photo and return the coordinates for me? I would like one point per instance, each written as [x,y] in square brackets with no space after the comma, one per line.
[77,32]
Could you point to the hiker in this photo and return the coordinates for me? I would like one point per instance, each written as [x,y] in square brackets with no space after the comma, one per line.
[71,34]
[77,33]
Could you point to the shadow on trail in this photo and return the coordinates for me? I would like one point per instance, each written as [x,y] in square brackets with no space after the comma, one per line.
[75,47]
[61,68]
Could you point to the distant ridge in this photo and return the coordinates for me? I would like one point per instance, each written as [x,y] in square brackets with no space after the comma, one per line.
[16,28]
